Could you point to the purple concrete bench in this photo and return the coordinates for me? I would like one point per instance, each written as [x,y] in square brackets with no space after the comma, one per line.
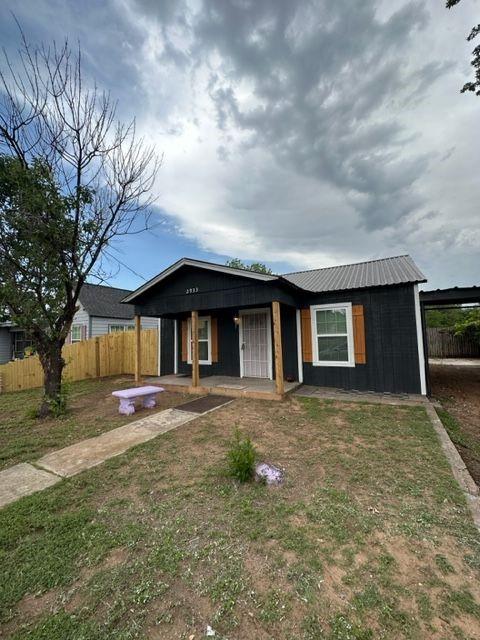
[127,398]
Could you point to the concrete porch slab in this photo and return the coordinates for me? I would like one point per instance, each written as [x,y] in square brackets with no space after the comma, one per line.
[255,388]
[92,452]
[22,480]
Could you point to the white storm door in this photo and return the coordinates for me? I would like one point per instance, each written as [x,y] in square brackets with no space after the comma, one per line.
[255,344]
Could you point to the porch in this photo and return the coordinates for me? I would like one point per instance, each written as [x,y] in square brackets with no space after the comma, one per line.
[257,388]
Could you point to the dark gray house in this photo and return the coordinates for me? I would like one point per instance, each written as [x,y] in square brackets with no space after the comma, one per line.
[355,326]
[100,311]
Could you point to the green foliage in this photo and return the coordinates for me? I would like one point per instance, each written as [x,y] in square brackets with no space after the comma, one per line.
[475,62]
[35,227]
[464,322]
[241,458]
[448,318]
[259,267]
[469,326]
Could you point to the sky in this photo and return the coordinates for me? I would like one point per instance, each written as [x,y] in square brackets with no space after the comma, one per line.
[301,134]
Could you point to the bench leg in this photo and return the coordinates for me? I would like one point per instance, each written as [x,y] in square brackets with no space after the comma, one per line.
[149,402]
[127,406]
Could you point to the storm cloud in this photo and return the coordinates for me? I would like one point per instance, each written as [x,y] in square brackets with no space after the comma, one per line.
[300,133]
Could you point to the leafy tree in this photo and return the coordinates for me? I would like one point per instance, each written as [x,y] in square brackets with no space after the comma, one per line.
[447,318]
[469,327]
[71,179]
[259,267]
[475,85]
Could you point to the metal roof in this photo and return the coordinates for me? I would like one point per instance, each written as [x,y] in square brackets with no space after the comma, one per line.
[105,302]
[375,273]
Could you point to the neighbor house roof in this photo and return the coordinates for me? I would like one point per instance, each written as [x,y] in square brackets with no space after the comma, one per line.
[105,302]
[375,273]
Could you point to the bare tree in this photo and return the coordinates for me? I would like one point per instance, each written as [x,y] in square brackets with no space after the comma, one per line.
[72,178]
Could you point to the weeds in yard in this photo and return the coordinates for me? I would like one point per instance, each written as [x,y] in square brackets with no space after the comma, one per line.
[358,543]
[241,457]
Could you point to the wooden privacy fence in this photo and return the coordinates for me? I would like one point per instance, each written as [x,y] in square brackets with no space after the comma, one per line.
[442,343]
[108,355]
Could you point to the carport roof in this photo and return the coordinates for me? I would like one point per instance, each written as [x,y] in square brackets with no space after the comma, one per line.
[453,295]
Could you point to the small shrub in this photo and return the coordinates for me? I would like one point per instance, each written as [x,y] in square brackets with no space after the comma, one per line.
[241,458]
[58,407]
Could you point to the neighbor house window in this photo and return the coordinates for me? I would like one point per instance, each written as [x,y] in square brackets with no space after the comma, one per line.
[115,328]
[76,332]
[204,340]
[332,335]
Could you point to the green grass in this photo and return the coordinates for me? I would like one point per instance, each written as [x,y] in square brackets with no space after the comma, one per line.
[370,537]
[90,411]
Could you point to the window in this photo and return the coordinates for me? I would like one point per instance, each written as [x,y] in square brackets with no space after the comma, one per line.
[204,340]
[76,332]
[115,328]
[332,335]
[20,343]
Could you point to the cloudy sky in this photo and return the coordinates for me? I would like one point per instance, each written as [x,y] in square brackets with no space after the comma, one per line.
[297,133]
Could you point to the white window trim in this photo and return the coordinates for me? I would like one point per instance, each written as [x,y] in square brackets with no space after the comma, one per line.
[209,340]
[75,340]
[125,327]
[351,349]
[420,345]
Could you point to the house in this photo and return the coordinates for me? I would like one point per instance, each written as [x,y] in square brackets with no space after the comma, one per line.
[99,311]
[356,327]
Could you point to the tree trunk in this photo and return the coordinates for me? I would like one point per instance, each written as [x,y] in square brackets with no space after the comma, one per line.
[52,362]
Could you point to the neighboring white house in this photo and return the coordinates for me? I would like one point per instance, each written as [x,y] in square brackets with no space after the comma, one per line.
[100,312]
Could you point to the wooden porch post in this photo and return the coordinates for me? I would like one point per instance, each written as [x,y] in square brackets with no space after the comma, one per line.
[194,349]
[138,349]
[277,347]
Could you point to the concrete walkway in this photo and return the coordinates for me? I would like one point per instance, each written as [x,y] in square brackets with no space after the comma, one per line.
[328,393]
[455,362]
[24,479]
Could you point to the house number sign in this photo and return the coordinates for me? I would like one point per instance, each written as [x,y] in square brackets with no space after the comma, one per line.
[192,290]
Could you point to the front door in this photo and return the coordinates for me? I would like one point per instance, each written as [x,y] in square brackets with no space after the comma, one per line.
[255,344]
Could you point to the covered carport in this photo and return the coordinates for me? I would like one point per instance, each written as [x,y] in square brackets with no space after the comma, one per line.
[442,299]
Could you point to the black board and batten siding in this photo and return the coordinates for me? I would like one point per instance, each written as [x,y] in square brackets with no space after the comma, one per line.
[390,327]
[191,289]
[227,344]
[391,343]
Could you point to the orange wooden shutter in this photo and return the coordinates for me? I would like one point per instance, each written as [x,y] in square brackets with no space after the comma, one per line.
[359,334]
[214,335]
[184,340]
[306,335]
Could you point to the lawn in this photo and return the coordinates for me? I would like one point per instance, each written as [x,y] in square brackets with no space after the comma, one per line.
[92,410]
[370,537]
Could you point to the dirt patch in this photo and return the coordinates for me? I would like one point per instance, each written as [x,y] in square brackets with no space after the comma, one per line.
[348,544]
[458,390]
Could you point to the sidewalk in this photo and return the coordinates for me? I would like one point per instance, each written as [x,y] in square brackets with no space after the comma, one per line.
[26,478]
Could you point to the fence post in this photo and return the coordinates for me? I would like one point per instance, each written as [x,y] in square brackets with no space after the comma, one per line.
[138,349]
[97,357]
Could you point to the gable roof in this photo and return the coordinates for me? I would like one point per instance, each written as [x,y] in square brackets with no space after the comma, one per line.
[201,264]
[374,273]
[106,302]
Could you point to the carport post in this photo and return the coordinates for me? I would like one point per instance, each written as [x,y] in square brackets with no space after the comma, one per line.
[138,349]
[195,363]
[277,348]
